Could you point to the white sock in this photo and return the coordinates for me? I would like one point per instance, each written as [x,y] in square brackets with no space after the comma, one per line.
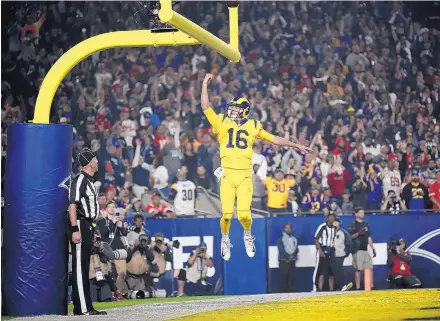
[225,236]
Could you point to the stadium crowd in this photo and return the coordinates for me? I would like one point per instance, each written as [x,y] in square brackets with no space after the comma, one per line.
[359,82]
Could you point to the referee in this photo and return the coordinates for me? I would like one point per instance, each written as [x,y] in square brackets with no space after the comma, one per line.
[83,209]
[325,245]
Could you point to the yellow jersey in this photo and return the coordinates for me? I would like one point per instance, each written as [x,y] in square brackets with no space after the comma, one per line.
[278,191]
[236,140]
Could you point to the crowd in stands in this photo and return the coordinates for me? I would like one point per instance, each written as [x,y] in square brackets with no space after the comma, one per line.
[359,82]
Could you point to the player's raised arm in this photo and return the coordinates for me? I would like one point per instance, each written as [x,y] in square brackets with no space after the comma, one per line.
[205,99]
[207,110]
[281,141]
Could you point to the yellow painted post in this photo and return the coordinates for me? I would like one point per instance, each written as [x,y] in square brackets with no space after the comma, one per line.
[167,15]
[137,38]
[233,28]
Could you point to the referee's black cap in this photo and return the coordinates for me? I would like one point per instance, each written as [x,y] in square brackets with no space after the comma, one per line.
[85,157]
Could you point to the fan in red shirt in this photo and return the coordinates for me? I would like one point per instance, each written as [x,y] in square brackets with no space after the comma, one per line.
[434,192]
[160,139]
[338,178]
[157,209]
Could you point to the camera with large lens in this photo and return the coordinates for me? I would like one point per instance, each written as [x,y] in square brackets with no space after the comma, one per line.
[144,241]
[159,243]
[393,245]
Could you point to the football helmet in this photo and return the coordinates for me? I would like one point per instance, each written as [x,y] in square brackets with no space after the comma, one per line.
[244,106]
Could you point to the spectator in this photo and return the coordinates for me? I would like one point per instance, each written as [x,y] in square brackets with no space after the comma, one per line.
[259,191]
[287,256]
[333,207]
[183,194]
[347,206]
[393,204]
[190,161]
[202,179]
[338,178]
[415,194]
[157,210]
[391,177]
[314,202]
[141,172]
[135,209]
[434,192]
[278,189]
[159,176]
[374,187]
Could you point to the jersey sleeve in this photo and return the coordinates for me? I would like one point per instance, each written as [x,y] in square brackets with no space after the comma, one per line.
[213,119]
[264,135]
[266,181]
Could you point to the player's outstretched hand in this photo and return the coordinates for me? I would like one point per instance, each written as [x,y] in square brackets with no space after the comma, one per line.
[208,78]
[303,149]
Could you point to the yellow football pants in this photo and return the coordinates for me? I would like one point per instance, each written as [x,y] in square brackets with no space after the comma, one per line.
[236,184]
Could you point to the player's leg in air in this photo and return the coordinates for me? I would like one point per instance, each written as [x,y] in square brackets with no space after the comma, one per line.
[227,199]
[244,201]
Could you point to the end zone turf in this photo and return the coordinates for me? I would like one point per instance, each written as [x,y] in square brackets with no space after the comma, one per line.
[402,305]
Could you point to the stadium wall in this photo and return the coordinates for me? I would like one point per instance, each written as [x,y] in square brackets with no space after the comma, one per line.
[242,275]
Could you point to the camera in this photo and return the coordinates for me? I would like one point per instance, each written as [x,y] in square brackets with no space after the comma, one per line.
[393,245]
[202,248]
[159,243]
[144,240]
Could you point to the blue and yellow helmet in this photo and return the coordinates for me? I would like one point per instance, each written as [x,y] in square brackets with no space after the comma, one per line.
[241,103]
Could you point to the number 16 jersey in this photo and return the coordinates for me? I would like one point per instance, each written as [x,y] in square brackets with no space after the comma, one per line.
[236,140]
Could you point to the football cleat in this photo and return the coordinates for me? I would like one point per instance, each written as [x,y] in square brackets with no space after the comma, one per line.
[249,244]
[226,248]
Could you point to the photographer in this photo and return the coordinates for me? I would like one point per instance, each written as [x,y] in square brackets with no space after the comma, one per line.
[393,204]
[140,261]
[400,274]
[113,231]
[162,253]
[100,272]
[135,230]
[198,264]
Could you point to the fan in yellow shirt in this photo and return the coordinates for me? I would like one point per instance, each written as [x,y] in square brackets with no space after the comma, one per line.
[278,189]
[236,135]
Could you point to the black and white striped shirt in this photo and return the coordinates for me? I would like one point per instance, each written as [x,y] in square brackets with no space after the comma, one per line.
[326,235]
[83,193]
